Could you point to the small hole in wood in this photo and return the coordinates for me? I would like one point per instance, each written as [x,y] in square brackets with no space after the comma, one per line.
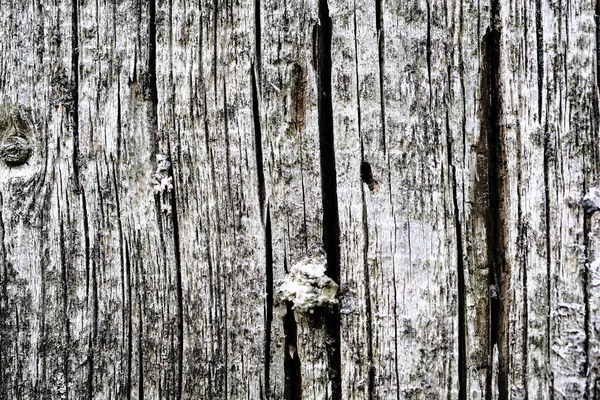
[366,174]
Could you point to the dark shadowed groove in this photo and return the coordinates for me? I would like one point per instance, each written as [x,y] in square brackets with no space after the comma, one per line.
[123,252]
[539,38]
[461,71]
[179,287]
[4,326]
[597,20]
[86,241]
[291,359]
[522,259]
[460,270]
[547,225]
[140,333]
[94,297]
[65,304]
[153,90]
[215,46]
[365,226]
[75,89]
[381,55]
[129,323]
[299,83]
[429,51]
[499,270]
[331,220]
[586,300]
[269,301]
[227,146]
[257,39]
[258,144]
[367,284]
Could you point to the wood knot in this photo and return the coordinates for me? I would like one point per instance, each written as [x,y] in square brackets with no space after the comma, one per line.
[15,150]
[16,126]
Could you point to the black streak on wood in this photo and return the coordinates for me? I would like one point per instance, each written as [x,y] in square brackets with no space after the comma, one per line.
[429,52]
[460,273]
[179,287]
[539,36]
[269,301]
[586,298]
[258,144]
[522,255]
[129,323]
[153,90]
[366,174]
[547,224]
[331,223]
[367,284]
[4,314]
[381,53]
[299,83]
[65,304]
[597,20]
[499,273]
[257,38]
[291,361]
[75,90]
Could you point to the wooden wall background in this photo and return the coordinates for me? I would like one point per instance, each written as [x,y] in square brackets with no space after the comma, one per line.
[165,163]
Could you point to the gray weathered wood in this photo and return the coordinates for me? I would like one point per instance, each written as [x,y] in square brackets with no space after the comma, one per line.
[165,165]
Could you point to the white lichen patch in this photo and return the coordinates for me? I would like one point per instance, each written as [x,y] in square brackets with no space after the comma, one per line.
[308,287]
[162,183]
[591,201]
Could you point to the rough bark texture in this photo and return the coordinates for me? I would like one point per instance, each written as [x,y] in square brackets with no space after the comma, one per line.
[166,164]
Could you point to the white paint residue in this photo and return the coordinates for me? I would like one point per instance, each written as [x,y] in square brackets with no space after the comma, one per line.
[308,287]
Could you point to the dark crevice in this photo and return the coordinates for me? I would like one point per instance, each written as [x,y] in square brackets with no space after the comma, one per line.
[299,83]
[65,309]
[597,20]
[140,337]
[291,361]
[75,89]
[153,90]
[269,301]
[539,37]
[460,272]
[429,52]
[129,323]
[228,145]
[179,286]
[522,253]
[215,46]
[381,58]
[367,284]
[366,174]
[586,300]
[499,273]
[547,224]
[258,144]
[4,313]
[257,39]
[331,223]
[94,297]
[587,246]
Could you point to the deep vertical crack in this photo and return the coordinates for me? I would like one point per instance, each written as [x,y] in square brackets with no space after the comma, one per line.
[499,269]
[75,89]
[331,223]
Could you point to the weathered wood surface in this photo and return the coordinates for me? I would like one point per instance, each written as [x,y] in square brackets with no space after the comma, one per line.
[164,165]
